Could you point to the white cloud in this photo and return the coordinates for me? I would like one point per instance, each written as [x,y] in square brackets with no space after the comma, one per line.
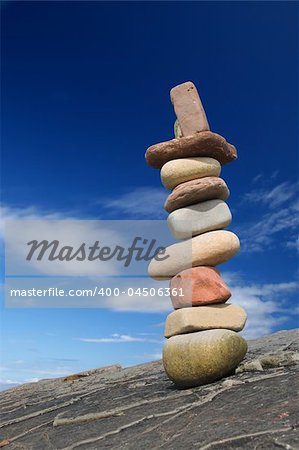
[155,356]
[118,339]
[143,202]
[274,174]
[265,304]
[257,178]
[280,214]
[50,226]
[138,303]
[66,232]
[273,197]
[26,225]
[11,377]
[260,234]
[293,243]
[8,382]
[56,372]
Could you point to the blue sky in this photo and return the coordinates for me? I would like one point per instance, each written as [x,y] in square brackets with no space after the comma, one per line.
[85,90]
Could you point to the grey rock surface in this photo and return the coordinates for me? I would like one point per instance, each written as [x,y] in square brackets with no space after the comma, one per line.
[139,408]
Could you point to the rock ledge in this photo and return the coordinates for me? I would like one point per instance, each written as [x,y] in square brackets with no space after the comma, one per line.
[138,407]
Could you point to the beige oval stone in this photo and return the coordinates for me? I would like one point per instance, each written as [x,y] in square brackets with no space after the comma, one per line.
[200,218]
[198,358]
[178,171]
[208,249]
[189,320]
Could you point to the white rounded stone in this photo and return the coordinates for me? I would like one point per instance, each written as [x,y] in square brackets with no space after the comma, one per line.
[200,218]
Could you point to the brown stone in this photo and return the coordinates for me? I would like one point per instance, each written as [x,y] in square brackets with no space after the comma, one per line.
[199,286]
[188,109]
[205,143]
[196,191]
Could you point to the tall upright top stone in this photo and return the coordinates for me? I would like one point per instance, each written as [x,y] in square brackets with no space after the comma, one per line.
[193,137]
[189,110]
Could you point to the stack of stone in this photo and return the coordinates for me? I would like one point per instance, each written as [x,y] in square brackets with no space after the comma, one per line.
[202,340]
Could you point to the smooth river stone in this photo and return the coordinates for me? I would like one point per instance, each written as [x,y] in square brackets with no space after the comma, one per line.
[200,218]
[189,320]
[208,249]
[199,286]
[178,171]
[205,143]
[188,109]
[196,191]
[199,358]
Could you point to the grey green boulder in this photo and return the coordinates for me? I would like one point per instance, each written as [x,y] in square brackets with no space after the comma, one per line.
[194,359]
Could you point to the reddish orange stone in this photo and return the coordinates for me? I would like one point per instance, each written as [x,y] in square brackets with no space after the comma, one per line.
[199,286]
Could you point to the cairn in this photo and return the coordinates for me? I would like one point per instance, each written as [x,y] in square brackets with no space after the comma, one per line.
[203,344]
